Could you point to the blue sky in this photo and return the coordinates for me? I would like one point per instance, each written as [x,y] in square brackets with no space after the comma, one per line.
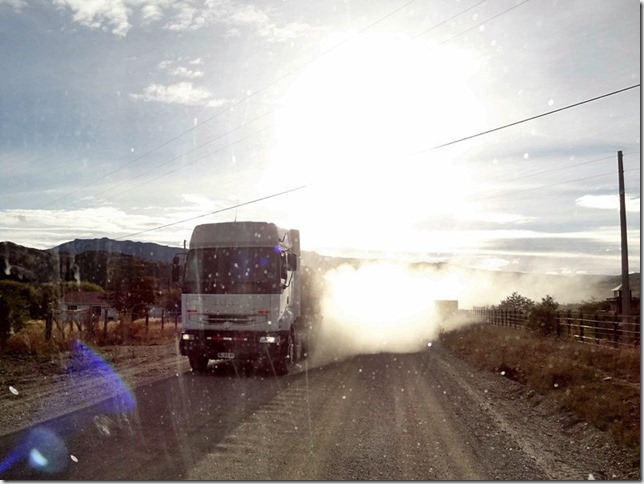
[131,118]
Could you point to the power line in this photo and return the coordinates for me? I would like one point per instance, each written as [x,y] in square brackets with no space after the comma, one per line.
[436,147]
[286,75]
[530,175]
[485,21]
[173,170]
[215,212]
[541,187]
[447,20]
[253,93]
[532,118]
[237,103]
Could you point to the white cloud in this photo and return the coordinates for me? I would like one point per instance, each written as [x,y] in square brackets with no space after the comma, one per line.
[186,17]
[100,14]
[151,13]
[186,73]
[251,16]
[180,93]
[164,65]
[608,202]
[179,16]
[44,229]
[181,71]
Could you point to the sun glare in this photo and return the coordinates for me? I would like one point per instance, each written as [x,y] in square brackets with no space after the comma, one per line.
[357,123]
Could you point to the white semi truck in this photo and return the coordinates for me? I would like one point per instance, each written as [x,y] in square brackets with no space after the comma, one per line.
[241,296]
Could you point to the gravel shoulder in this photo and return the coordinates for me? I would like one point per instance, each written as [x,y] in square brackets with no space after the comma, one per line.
[561,445]
[35,391]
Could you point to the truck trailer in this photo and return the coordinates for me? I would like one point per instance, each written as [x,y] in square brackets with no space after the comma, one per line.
[241,296]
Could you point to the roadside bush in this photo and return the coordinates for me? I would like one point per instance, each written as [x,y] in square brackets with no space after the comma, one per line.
[16,302]
[30,341]
[542,317]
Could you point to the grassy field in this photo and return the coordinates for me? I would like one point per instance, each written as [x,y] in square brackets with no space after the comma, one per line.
[600,385]
[30,341]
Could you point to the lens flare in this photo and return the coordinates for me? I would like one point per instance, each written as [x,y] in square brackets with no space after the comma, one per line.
[84,357]
[42,450]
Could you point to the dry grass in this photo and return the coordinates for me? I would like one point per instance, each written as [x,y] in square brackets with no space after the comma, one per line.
[600,385]
[30,341]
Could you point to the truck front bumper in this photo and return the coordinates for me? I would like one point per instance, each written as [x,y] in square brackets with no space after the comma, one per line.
[244,345]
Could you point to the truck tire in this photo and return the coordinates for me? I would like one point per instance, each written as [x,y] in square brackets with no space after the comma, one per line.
[287,356]
[198,363]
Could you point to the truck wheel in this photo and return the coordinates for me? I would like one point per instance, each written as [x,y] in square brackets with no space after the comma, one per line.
[287,356]
[198,363]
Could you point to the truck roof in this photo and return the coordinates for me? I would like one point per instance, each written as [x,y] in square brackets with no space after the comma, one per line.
[244,234]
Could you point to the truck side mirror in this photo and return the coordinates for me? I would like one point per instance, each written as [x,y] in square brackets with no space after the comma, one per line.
[292,261]
[177,268]
[283,265]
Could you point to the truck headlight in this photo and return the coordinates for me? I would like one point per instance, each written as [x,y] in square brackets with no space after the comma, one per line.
[187,337]
[268,339]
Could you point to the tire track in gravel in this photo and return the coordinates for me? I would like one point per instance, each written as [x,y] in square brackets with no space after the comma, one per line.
[373,417]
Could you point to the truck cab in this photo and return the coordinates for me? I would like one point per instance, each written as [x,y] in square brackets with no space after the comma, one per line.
[241,295]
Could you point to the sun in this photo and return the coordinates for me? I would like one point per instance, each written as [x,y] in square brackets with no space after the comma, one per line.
[356,121]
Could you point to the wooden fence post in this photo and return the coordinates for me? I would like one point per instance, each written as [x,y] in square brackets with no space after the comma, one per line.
[615,334]
[558,323]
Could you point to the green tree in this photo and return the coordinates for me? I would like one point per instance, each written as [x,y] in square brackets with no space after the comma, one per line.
[130,290]
[83,286]
[542,317]
[516,302]
[17,304]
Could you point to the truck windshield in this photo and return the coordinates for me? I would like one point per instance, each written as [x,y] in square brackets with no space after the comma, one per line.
[232,270]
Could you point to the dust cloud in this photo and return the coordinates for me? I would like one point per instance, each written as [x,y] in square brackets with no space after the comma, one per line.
[389,307]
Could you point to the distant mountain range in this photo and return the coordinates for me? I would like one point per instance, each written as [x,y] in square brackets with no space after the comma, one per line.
[143,250]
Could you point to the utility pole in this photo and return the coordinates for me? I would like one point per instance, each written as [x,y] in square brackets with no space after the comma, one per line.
[626,287]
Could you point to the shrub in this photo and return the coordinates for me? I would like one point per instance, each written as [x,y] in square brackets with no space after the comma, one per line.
[542,317]
[16,302]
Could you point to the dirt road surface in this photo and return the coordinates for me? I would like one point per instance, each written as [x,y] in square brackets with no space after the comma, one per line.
[387,416]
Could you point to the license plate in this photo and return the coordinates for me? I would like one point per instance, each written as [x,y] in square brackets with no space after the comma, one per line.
[226,356]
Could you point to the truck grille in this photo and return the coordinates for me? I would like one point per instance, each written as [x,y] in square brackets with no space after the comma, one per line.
[221,318]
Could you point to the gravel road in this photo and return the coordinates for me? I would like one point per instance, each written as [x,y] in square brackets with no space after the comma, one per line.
[386,416]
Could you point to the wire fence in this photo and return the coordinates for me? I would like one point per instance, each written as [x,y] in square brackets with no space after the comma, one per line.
[599,328]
